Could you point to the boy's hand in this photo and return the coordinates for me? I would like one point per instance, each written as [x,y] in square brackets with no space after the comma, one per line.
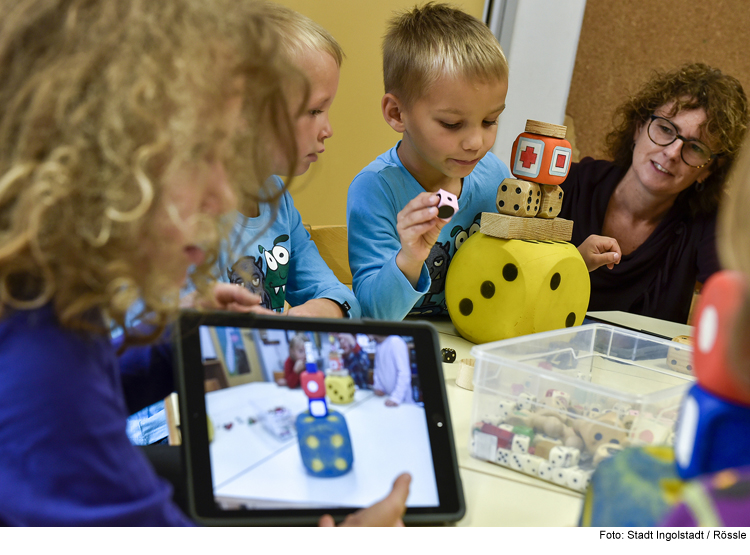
[418,228]
[598,251]
[299,366]
[387,512]
[226,296]
[390,403]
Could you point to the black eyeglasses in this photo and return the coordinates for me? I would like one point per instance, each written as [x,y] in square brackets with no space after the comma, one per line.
[694,153]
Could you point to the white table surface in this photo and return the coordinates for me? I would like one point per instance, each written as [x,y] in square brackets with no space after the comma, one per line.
[251,465]
[499,496]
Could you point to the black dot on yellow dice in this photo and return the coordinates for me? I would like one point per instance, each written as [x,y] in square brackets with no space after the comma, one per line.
[487,289]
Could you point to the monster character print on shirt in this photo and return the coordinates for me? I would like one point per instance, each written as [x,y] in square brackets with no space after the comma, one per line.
[277,272]
[437,263]
[271,284]
[248,272]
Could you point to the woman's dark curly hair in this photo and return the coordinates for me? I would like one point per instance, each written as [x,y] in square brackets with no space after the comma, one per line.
[690,87]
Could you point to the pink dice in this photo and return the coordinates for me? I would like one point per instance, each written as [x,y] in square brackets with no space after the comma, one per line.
[447,206]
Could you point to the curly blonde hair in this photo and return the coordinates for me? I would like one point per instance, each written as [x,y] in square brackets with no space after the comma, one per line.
[690,87]
[99,101]
[436,40]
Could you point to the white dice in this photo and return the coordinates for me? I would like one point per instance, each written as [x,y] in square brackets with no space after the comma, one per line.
[503,456]
[564,457]
[520,444]
[526,401]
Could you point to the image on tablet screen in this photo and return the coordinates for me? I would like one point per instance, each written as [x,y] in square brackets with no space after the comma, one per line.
[272,446]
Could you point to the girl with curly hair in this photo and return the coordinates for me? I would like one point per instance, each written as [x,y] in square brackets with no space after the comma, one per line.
[128,130]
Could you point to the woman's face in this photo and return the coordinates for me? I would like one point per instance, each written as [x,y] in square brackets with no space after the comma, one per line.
[660,169]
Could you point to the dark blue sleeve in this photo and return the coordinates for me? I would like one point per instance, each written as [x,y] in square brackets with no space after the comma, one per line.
[146,371]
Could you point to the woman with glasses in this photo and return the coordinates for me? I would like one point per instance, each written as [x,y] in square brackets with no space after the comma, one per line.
[672,148]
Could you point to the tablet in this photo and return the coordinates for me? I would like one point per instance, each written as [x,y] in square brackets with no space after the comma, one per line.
[268,443]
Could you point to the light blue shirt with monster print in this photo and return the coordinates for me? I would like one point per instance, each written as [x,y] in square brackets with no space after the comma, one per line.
[279,262]
[376,196]
[272,255]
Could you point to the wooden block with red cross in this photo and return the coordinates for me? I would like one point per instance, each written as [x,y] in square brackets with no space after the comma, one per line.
[541,154]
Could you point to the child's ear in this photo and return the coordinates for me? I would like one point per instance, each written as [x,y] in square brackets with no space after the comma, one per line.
[392,112]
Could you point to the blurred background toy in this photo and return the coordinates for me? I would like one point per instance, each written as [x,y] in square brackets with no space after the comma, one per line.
[713,431]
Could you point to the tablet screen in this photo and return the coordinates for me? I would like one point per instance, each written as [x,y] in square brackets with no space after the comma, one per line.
[256,459]
[302,419]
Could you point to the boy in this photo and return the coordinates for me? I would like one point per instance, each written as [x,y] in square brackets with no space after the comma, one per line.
[270,253]
[446,79]
[281,263]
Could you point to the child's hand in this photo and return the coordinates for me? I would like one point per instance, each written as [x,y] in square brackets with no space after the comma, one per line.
[378,392]
[418,228]
[226,296]
[387,512]
[317,308]
[390,403]
[598,251]
[299,365]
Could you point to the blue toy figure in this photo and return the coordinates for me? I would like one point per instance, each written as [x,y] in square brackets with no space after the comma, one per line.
[713,432]
[323,436]
[324,444]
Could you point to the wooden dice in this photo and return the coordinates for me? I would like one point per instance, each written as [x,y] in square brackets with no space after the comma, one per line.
[516,197]
[551,201]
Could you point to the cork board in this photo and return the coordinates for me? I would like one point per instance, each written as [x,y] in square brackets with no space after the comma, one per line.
[622,42]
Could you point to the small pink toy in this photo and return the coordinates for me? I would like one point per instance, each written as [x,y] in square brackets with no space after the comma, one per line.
[447,206]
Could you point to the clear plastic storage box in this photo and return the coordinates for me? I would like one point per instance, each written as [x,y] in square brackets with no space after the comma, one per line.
[555,404]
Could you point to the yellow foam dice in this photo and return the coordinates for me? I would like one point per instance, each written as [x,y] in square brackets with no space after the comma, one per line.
[340,389]
[501,288]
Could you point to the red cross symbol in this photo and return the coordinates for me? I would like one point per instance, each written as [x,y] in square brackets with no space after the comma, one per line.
[528,157]
[560,162]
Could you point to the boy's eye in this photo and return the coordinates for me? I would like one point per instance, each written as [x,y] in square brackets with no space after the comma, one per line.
[315,112]
[450,125]
[489,123]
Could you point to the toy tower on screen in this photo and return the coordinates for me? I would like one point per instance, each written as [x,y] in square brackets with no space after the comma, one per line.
[323,436]
[519,274]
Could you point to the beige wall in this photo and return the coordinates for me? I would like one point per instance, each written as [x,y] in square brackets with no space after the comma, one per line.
[622,42]
[359,132]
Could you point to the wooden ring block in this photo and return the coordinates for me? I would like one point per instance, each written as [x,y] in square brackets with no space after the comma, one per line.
[465,378]
[546,129]
[503,226]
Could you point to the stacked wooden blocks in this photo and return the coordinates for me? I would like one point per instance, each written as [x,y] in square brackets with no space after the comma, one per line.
[528,205]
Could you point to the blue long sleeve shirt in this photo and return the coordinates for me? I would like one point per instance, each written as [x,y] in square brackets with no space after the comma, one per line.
[376,196]
[64,457]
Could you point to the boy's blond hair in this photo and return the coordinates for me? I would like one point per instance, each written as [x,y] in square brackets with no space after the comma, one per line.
[437,40]
[298,340]
[299,33]
[100,101]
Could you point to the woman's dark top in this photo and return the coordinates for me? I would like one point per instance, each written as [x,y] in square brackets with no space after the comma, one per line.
[658,278]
